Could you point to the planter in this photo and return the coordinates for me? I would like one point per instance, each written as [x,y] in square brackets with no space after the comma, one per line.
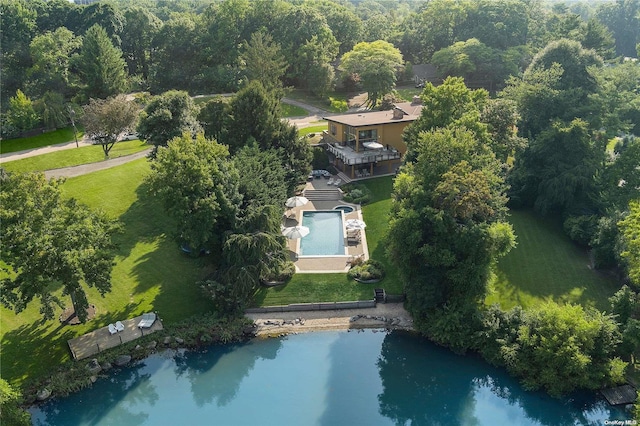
[272,283]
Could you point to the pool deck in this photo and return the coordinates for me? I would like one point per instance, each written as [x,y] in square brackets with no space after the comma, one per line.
[98,340]
[324,264]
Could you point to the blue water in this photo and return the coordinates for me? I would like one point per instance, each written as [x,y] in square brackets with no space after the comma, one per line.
[326,237]
[346,209]
[324,378]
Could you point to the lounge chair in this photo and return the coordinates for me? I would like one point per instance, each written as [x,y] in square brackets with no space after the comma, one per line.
[147,320]
[119,326]
[337,182]
[330,182]
[112,329]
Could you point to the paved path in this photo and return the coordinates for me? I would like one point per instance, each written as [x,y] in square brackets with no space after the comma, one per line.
[18,155]
[83,169]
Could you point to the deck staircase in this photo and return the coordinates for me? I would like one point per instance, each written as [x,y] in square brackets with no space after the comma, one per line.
[333,194]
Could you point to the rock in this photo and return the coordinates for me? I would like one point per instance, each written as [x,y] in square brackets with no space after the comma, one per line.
[94,367]
[138,348]
[93,379]
[249,330]
[354,318]
[179,341]
[152,344]
[106,366]
[43,394]
[122,360]
[167,340]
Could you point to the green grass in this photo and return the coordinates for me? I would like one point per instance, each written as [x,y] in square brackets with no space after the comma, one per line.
[150,273]
[309,288]
[328,104]
[407,93]
[312,129]
[73,157]
[546,265]
[288,110]
[45,139]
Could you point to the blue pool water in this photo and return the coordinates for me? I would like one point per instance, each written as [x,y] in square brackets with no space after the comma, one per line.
[326,237]
[323,378]
[346,209]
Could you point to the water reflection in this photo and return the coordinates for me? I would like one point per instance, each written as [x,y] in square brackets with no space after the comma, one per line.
[427,385]
[216,375]
[81,408]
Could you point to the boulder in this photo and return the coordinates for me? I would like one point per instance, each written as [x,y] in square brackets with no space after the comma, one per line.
[152,344]
[93,379]
[106,366]
[43,394]
[167,340]
[94,367]
[179,341]
[122,360]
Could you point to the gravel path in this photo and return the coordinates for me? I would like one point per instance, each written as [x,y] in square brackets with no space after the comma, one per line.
[384,315]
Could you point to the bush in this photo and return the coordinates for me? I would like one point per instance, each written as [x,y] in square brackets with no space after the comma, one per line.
[356,194]
[368,270]
[284,274]
[581,229]
[338,105]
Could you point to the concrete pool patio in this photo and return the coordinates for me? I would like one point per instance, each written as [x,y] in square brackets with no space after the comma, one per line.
[324,264]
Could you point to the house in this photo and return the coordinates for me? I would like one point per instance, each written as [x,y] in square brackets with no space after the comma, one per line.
[368,143]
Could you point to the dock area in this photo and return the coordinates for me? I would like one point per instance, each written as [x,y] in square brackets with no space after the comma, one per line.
[101,339]
[621,395]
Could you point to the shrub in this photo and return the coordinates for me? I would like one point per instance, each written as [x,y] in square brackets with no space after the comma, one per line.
[368,270]
[356,194]
[338,105]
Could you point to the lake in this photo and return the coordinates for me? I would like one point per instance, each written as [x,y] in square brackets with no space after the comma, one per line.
[321,378]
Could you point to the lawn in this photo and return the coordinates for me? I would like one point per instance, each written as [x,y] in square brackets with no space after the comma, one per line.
[547,265]
[45,139]
[305,288]
[312,129]
[150,273]
[288,110]
[334,102]
[73,157]
[407,93]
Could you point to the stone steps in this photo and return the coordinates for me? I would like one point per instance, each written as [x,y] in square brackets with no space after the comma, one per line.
[323,194]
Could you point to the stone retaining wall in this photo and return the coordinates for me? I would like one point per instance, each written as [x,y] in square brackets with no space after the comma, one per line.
[325,306]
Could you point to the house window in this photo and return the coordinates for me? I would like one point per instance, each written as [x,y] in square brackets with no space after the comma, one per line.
[371,134]
[333,129]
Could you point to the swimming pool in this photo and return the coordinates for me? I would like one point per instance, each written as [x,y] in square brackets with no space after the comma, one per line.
[344,208]
[327,235]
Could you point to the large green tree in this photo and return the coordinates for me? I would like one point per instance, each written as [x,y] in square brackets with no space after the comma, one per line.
[198,185]
[167,116]
[630,229]
[105,121]
[49,242]
[100,65]
[140,27]
[264,61]
[376,64]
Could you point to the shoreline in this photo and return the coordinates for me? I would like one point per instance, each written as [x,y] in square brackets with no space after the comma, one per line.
[390,316]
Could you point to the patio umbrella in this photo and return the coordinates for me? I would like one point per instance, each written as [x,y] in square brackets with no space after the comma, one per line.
[355,224]
[296,202]
[295,232]
[373,145]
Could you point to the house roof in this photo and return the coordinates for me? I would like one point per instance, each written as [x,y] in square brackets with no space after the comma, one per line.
[410,112]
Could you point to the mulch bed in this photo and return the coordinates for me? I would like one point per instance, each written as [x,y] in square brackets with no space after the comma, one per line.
[69,317]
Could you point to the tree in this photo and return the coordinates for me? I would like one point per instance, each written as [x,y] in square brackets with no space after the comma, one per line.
[21,114]
[10,410]
[167,116]
[557,171]
[49,242]
[563,348]
[212,117]
[377,64]
[630,230]
[140,27]
[501,116]
[198,185]
[105,121]
[100,65]
[264,61]
[51,108]
[50,53]
[621,17]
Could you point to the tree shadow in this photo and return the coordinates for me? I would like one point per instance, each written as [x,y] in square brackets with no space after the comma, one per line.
[91,405]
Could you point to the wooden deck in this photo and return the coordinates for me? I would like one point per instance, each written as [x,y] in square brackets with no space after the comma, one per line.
[621,395]
[100,339]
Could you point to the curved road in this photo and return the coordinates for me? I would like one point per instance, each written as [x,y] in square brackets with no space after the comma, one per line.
[315,114]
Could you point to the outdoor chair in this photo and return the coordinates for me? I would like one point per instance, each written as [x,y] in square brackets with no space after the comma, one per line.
[147,320]
[119,326]
[330,182]
[112,329]
[337,182]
